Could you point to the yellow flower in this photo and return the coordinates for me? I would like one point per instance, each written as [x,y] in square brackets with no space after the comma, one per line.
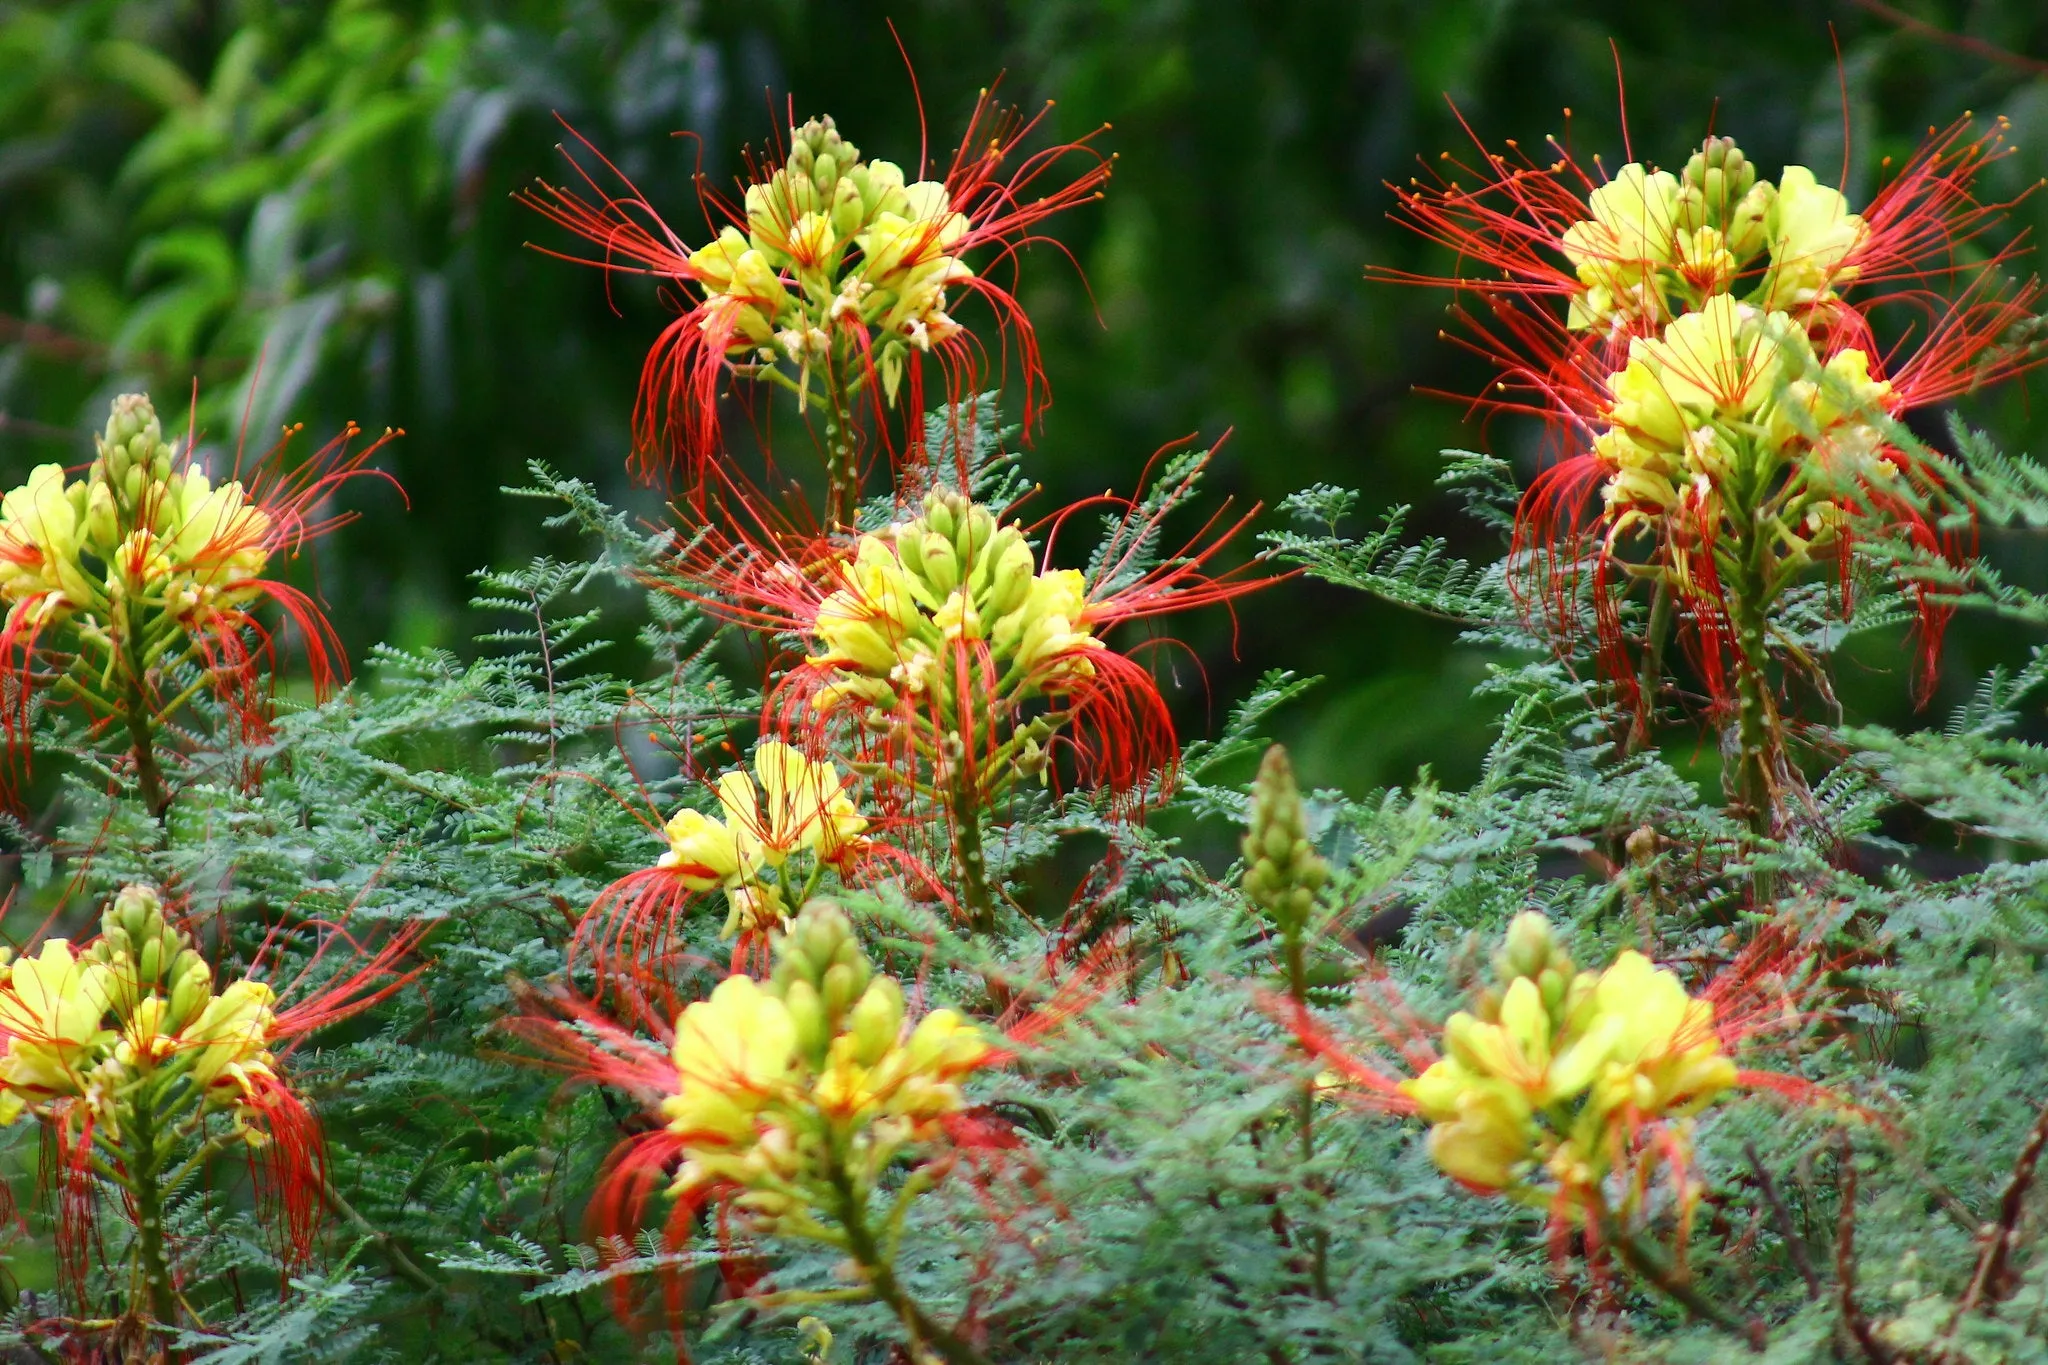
[1487,1135]
[802,805]
[1663,1057]
[227,1046]
[41,533]
[865,623]
[734,1053]
[702,853]
[1811,234]
[1631,235]
[1721,361]
[52,1010]
[1051,626]
[218,530]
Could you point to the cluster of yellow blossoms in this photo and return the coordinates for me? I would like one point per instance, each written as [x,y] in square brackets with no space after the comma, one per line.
[798,1092]
[136,1011]
[1727,390]
[140,533]
[1554,1074]
[858,243]
[1659,244]
[799,811]
[952,580]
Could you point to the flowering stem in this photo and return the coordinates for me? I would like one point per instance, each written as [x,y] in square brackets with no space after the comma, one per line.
[881,1276]
[149,777]
[1295,953]
[1649,1262]
[1651,676]
[144,1163]
[1757,731]
[975,895]
[842,455]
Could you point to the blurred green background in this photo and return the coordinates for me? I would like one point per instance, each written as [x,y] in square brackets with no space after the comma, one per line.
[186,185]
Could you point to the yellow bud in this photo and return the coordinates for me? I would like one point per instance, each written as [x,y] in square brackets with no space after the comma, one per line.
[876,1020]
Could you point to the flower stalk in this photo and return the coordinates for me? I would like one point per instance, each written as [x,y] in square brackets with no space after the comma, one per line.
[1284,875]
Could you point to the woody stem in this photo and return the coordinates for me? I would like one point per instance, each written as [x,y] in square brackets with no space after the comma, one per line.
[1651,675]
[1649,1262]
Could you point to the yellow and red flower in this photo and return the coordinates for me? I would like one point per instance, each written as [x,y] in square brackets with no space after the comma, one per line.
[1704,349]
[117,582]
[829,260]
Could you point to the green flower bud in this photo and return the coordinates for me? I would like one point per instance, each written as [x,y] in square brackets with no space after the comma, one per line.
[847,211]
[910,546]
[191,989]
[1529,946]
[939,511]
[1283,871]
[941,563]
[840,988]
[1747,222]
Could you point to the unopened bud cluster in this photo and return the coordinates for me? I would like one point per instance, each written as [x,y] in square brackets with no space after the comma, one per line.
[834,243]
[1554,1074]
[143,529]
[1725,287]
[776,828]
[1283,873]
[795,1094]
[133,1018]
[952,594]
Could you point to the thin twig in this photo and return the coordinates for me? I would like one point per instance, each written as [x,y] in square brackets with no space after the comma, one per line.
[399,1261]
[1962,42]
[1795,1246]
[1994,1280]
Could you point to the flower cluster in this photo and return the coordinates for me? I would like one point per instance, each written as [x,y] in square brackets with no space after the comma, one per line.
[137,1008]
[141,531]
[134,584]
[1727,413]
[952,581]
[833,277]
[768,849]
[796,1094]
[1655,245]
[1560,1071]
[144,1066]
[787,1099]
[870,258]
